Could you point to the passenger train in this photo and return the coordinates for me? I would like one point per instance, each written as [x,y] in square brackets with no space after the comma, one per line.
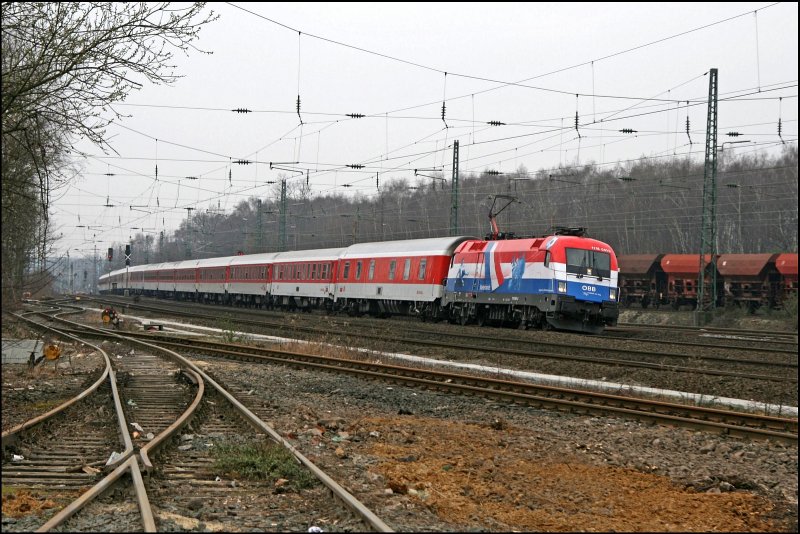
[565,281]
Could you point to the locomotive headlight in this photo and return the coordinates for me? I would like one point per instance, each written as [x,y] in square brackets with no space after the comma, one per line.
[612,294]
[562,287]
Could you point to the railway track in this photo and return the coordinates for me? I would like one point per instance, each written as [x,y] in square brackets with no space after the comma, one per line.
[750,340]
[752,426]
[348,405]
[656,360]
[159,403]
[760,336]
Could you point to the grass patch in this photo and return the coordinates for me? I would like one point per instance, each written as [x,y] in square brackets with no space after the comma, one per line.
[229,334]
[47,405]
[261,461]
[787,312]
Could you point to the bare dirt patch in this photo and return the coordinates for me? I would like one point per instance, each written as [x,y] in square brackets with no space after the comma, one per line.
[22,503]
[506,477]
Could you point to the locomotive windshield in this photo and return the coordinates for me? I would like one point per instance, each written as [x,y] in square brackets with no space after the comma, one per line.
[588,262]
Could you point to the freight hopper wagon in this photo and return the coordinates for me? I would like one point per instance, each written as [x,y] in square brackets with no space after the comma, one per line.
[749,280]
[683,277]
[787,266]
[641,280]
[563,281]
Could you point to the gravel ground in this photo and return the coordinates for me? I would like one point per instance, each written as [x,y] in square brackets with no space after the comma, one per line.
[428,461]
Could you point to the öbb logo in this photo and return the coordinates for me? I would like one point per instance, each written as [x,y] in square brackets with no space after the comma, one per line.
[589,288]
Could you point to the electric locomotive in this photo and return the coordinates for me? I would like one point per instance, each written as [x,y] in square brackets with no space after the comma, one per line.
[565,281]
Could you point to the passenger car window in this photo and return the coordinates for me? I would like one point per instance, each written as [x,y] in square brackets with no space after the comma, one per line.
[392,269]
[358,270]
[422,264]
[346,272]
[371,274]
[407,269]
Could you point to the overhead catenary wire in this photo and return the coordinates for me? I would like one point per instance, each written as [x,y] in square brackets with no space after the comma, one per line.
[441,150]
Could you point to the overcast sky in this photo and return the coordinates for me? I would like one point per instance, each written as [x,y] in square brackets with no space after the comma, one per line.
[631,65]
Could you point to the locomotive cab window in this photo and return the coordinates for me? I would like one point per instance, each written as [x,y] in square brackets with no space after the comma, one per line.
[588,262]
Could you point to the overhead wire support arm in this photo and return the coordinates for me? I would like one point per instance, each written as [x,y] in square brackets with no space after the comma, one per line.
[557,178]
[432,177]
[298,110]
[273,166]
[444,99]
[299,34]
[687,124]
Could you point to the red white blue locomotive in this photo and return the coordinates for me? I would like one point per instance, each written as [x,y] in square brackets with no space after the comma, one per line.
[564,281]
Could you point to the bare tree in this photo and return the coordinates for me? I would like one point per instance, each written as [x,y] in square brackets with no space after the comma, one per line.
[64,66]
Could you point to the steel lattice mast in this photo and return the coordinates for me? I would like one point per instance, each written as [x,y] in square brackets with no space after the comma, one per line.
[454,194]
[708,236]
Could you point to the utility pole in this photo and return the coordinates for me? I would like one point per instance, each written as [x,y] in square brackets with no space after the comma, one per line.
[454,194]
[94,279]
[259,224]
[383,226]
[355,226]
[708,236]
[189,228]
[71,283]
[282,217]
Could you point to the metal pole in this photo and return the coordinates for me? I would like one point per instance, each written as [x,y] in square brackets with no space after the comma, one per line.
[282,218]
[71,284]
[708,236]
[454,194]
[94,279]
